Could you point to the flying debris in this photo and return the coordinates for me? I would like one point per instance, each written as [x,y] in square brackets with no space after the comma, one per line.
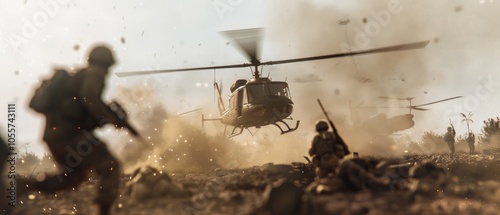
[343,21]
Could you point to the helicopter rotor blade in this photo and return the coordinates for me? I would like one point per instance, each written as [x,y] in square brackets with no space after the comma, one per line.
[248,40]
[443,100]
[127,74]
[394,98]
[409,46]
[374,107]
[250,46]
[417,108]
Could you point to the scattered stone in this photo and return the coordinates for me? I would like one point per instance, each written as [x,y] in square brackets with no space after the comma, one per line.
[328,185]
[148,182]
[359,175]
[428,178]
[283,198]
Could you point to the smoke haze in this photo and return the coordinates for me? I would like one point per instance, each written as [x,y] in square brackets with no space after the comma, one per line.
[461,58]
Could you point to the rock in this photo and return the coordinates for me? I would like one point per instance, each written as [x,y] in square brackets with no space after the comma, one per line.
[148,182]
[356,174]
[328,185]
[283,198]
[428,178]
[426,169]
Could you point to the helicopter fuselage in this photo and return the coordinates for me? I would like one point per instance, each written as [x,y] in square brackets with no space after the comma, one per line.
[258,102]
[380,124]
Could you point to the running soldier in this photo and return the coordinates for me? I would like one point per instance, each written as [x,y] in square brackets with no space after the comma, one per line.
[78,110]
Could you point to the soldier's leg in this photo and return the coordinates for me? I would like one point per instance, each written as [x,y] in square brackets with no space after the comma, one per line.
[74,168]
[52,183]
[318,172]
[331,164]
[108,168]
[328,164]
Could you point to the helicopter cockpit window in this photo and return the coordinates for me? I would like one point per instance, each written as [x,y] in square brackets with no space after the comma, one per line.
[278,89]
[256,91]
[262,90]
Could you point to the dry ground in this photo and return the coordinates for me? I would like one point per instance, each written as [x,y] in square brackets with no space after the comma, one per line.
[473,188]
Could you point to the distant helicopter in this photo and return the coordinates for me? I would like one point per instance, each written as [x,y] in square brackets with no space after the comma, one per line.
[260,101]
[382,125]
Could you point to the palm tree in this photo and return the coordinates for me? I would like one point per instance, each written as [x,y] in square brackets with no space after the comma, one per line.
[467,118]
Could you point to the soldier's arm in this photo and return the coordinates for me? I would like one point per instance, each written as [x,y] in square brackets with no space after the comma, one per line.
[312,150]
[91,91]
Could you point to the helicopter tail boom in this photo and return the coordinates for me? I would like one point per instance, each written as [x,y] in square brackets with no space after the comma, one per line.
[203,119]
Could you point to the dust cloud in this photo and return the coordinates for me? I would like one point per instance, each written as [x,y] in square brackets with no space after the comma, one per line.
[305,29]
[174,144]
[318,28]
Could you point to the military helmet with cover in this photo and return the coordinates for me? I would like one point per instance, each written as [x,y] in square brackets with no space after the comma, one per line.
[321,125]
[101,55]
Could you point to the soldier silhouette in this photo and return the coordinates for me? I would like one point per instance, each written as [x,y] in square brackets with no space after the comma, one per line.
[471,139]
[327,150]
[76,112]
[449,137]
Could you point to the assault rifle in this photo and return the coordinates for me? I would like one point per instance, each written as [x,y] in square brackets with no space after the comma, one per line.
[118,110]
[452,127]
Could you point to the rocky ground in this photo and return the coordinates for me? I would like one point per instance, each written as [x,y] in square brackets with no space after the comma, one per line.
[419,184]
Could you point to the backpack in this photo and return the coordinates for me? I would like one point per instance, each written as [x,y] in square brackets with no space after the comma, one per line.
[44,99]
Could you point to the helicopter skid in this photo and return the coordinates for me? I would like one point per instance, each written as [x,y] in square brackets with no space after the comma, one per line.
[289,129]
[233,133]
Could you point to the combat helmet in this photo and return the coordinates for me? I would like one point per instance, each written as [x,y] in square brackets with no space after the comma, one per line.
[101,55]
[321,125]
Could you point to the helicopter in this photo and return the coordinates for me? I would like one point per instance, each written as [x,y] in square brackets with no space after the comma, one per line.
[382,125]
[260,101]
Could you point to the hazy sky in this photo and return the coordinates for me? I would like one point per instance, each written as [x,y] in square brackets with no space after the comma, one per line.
[462,58]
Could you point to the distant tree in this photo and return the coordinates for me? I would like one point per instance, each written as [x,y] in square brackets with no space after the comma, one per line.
[467,119]
[28,162]
[433,142]
[46,164]
[490,131]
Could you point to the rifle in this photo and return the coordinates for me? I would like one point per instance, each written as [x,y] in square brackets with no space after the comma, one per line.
[452,127]
[118,110]
[334,129]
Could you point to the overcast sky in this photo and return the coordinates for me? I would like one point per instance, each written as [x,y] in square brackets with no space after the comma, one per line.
[461,60]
